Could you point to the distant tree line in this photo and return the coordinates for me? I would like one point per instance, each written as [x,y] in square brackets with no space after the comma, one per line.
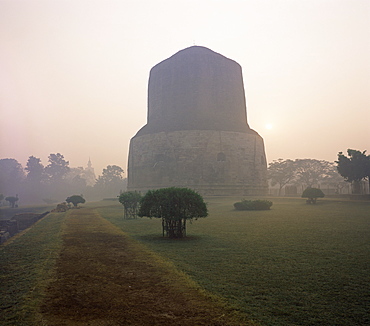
[308,173]
[54,182]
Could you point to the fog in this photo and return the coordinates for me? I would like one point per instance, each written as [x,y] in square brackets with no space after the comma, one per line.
[74,74]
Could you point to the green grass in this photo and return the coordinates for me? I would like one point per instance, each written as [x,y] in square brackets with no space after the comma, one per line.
[25,266]
[296,264]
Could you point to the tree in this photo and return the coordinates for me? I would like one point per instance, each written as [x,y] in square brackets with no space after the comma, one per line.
[305,172]
[11,175]
[12,200]
[354,168]
[34,187]
[334,179]
[57,168]
[56,171]
[111,174]
[75,200]
[312,194]
[281,172]
[311,172]
[174,206]
[131,203]
[35,170]
[111,181]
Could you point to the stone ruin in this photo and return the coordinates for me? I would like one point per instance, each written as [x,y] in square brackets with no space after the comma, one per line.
[197,134]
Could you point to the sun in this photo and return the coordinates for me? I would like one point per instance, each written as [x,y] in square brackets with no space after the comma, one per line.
[268,126]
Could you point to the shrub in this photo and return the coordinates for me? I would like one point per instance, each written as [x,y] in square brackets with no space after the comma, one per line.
[131,203]
[253,205]
[75,200]
[62,207]
[312,194]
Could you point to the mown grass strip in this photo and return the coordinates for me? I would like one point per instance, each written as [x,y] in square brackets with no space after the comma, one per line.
[26,262]
[103,277]
[297,264]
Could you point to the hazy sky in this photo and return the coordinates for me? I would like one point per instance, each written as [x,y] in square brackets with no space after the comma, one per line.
[74,74]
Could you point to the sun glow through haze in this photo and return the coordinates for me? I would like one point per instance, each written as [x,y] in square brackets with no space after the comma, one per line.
[268,126]
[74,74]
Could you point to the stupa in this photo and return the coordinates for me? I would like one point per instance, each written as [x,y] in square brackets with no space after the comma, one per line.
[197,134]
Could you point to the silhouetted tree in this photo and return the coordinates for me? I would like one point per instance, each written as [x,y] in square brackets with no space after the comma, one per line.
[57,168]
[281,172]
[174,206]
[12,200]
[111,181]
[35,170]
[310,172]
[75,200]
[354,168]
[34,187]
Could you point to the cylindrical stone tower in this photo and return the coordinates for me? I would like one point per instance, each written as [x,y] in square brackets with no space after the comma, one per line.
[197,135]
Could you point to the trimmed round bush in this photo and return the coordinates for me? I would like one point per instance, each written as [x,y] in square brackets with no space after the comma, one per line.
[253,205]
[312,194]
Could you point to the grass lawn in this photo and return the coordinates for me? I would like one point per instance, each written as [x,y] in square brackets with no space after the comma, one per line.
[77,268]
[296,264]
[26,261]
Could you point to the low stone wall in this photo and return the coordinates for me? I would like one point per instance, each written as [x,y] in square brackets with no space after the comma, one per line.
[17,223]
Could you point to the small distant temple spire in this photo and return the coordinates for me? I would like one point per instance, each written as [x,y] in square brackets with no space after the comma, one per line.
[90,174]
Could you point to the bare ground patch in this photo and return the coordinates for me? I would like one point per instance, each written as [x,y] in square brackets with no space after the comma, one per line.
[103,277]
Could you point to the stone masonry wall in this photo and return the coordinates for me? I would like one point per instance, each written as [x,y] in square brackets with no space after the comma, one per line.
[209,161]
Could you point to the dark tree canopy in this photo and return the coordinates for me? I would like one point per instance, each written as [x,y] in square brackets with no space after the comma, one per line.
[131,203]
[312,194]
[111,174]
[35,169]
[354,168]
[75,200]
[35,185]
[12,200]
[175,206]
[57,168]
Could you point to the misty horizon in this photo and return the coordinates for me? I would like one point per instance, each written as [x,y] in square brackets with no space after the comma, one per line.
[75,75]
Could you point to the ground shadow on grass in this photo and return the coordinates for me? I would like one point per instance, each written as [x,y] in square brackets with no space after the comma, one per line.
[159,238]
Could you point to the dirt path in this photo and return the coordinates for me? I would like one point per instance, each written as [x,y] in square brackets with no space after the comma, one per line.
[105,278]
